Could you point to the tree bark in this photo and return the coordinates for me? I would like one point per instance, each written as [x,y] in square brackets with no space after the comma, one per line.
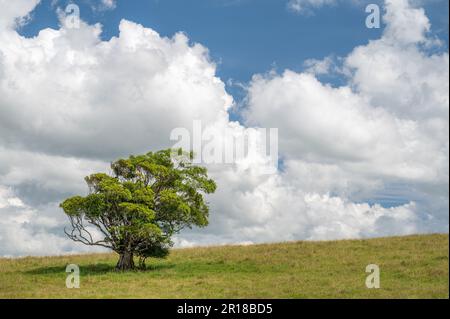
[125,262]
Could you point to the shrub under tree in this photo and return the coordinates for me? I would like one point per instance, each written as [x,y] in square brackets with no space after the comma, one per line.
[141,205]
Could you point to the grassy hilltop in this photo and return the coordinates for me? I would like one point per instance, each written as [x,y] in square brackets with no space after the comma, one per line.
[411,267]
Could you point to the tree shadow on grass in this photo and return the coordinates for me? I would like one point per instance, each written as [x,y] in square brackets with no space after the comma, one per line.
[95,269]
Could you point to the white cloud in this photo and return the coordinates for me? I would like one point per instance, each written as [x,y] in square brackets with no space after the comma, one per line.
[17,14]
[109,3]
[305,6]
[320,67]
[405,24]
[105,95]
[273,209]
[70,103]
[105,5]
[27,231]
[388,126]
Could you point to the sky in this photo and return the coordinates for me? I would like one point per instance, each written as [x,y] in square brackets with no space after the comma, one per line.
[362,114]
[245,37]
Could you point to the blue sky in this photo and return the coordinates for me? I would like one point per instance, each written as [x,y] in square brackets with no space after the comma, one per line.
[245,37]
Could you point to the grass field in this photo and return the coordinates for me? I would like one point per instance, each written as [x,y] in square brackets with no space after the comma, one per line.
[411,267]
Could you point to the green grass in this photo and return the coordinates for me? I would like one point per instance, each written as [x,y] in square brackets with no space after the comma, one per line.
[411,267]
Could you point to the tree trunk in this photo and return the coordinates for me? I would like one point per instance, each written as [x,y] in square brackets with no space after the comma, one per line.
[125,262]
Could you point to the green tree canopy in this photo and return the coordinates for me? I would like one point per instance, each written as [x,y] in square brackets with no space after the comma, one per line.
[147,199]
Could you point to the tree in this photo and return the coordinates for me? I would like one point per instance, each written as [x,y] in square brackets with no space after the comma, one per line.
[137,210]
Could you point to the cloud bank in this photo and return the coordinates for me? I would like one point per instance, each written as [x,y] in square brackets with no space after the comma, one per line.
[70,103]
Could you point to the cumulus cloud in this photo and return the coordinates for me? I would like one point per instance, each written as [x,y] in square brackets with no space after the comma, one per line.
[320,67]
[17,14]
[388,126]
[70,103]
[104,95]
[28,231]
[104,5]
[110,4]
[273,208]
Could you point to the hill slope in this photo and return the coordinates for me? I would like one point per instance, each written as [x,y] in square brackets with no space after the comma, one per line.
[411,267]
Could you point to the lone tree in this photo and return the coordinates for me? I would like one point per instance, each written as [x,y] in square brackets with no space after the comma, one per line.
[147,199]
